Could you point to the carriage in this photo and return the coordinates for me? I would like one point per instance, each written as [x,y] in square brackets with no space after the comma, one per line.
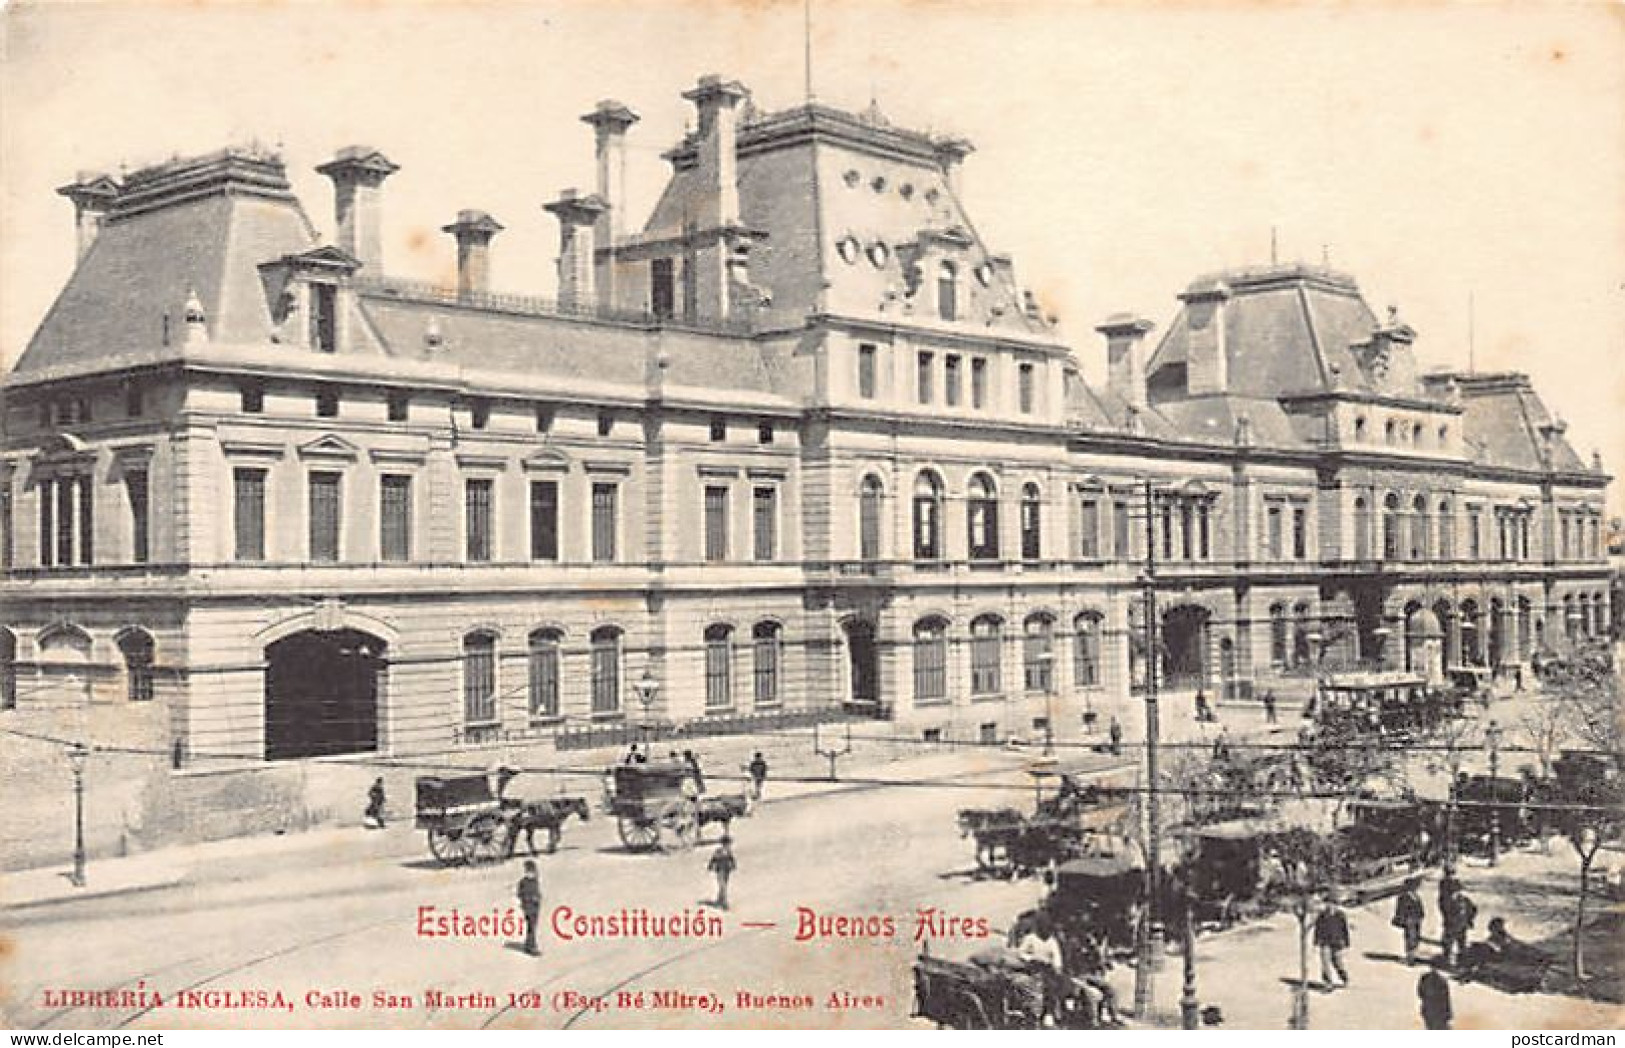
[1096,899]
[1390,706]
[469,822]
[663,804]
[1010,844]
[993,991]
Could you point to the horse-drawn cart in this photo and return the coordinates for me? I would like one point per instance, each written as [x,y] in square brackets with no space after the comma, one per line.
[468,822]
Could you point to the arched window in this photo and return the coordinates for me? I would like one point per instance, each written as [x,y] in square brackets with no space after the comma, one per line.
[870,500]
[136,646]
[1526,616]
[982,518]
[1278,635]
[480,677]
[1031,523]
[544,666]
[606,670]
[1421,541]
[766,654]
[1362,529]
[948,291]
[1390,432]
[927,517]
[1038,653]
[1300,635]
[1447,531]
[8,670]
[1390,528]
[986,641]
[930,661]
[1417,434]
[1359,428]
[719,645]
[1086,650]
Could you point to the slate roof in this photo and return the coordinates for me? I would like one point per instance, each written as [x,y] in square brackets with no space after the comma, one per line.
[1504,421]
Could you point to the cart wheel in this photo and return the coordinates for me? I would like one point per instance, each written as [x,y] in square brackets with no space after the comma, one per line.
[971,1012]
[679,830]
[487,837]
[637,835]
[451,847]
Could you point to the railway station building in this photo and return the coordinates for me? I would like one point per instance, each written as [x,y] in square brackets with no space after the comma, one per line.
[798,444]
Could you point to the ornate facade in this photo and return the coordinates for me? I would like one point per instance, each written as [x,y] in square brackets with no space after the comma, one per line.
[800,442]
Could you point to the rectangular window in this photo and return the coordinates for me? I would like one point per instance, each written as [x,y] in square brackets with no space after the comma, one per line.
[544,520]
[1122,531]
[6,541]
[1025,388]
[603,522]
[716,523]
[479,413]
[64,522]
[1475,538]
[134,399]
[479,680]
[764,432]
[327,403]
[87,521]
[984,661]
[866,370]
[950,380]
[477,518]
[544,677]
[718,673]
[395,518]
[253,399]
[606,423]
[1204,529]
[662,288]
[326,513]
[399,407]
[135,493]
[719,430]
[324,318]
[1300,533]
[765,665]
[923,376]
[765,518]
[1273,534]
[544,418]
[606,671]
[47,526]
[1089,529]
[248,520]
[978,383]
[930,665]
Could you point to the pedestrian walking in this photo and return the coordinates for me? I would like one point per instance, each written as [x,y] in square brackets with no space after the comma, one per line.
[374,817]
[723,864]
[1434,994]
[1269,706]
[1116,734]
[1449,885]
[530,903]
[1202,711]
[1221,745]
[1408,918]
[1332,937]
[758,773]
[1458,924]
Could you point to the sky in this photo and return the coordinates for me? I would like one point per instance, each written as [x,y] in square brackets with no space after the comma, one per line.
[1441,153]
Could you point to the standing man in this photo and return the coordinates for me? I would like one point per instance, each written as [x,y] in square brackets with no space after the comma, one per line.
[1458,922]
[723,864]
[1116,733]
[530,902]
[1434,994]
[374,818]
[1332,936]
[1449,885]
[758,773]
[1269,706]
[1408,918]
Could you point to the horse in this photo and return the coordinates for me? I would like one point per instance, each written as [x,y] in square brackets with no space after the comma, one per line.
[723,808]
[994,830]
[549,815]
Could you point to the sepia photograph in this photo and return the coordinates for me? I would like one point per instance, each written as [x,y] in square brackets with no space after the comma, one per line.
[812,515]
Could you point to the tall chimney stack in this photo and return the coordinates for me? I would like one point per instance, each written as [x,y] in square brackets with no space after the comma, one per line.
[1125,357]
[358,172]
[1207,368]
[578,216]
[610,121]
[473,231]
[715,100]
[92,194]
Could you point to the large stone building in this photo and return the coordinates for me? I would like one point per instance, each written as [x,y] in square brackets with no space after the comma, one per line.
[800,442]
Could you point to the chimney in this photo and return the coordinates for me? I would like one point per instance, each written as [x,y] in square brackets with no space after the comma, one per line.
[1125,357]
[473,231]
[951,153]
[92,195]
[577,217]
[715,100]
[358,172]
[610,120]
[1206,368]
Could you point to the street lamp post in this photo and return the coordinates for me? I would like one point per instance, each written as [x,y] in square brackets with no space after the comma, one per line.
[78,755]
[646,687]
[1492,739]
[1189,1007]
[1144,987]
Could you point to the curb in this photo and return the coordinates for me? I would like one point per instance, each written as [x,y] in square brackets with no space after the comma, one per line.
[67,893]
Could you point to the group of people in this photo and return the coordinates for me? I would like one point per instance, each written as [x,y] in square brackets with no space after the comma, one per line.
[1457,915]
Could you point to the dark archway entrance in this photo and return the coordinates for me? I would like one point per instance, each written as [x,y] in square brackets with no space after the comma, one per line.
[1185,644]
[863,665]
[321,694]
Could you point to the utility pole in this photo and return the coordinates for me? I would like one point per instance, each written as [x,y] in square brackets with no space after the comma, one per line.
[1144,988]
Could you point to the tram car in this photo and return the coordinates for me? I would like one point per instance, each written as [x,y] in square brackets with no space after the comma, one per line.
[1386,706]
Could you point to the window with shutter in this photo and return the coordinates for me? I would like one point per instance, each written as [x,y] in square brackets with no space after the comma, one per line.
[603,522]
[544,520]
[325,515]
[395,518]
[249,513]
[477,518]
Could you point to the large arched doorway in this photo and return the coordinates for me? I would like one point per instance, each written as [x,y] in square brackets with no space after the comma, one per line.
[863,664]
[1184,644]
[321,693]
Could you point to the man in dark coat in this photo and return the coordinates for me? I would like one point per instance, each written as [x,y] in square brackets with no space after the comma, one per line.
[530,902]
[1408,918]
[374,818]
[1332,937]
[1449,885]
[1269,707]
[1116,734]
[1434,994]
[723,864]
[758,773]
